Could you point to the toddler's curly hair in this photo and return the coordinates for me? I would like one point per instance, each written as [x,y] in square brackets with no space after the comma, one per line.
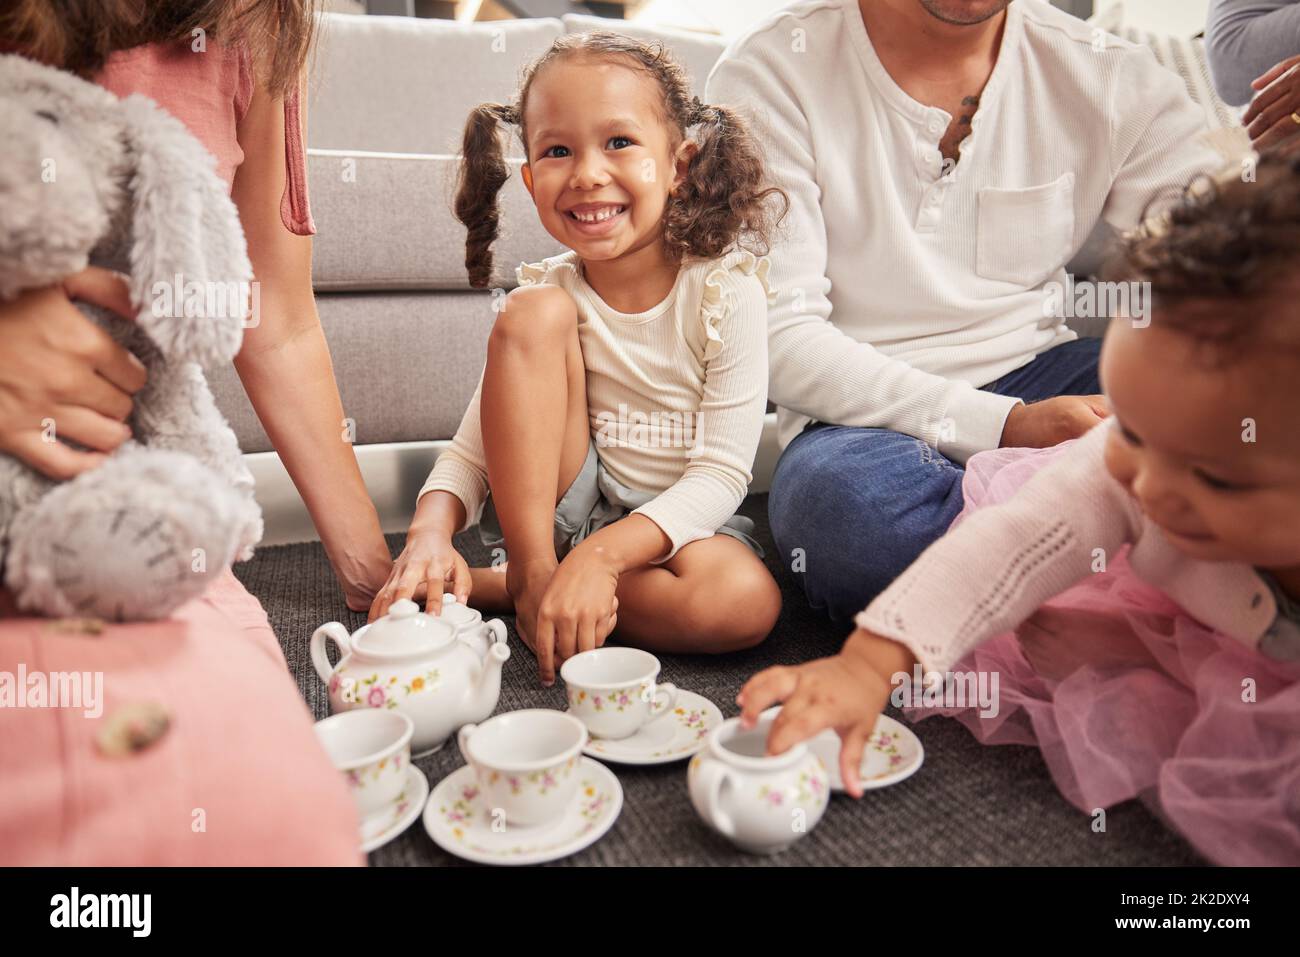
[724,200]
[1224,261]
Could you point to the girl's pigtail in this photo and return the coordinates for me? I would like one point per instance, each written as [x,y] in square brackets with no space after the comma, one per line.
[483,171]
[724,200]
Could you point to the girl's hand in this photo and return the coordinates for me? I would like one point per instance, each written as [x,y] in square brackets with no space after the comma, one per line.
[846,692]
[1269,120]
[57,365]
[578,610]
[426,564]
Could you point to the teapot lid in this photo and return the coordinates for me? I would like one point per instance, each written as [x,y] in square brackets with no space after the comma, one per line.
[458,615]
[405,630]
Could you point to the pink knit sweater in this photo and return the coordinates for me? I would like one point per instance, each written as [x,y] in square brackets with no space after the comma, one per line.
[1000,564]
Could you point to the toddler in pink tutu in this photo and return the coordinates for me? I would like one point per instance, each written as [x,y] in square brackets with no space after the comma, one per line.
[1137,590]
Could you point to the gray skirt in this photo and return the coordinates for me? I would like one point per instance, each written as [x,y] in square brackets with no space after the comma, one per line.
[594,500]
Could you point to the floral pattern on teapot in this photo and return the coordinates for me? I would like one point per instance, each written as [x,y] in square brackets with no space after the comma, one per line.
[377,694]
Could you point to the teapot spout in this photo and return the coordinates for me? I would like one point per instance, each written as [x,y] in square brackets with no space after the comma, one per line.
[485,693]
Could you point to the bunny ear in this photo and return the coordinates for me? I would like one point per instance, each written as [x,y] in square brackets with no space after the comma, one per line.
[54,206]
[190,273]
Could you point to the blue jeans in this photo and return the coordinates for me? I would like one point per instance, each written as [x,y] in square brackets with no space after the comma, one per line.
[851,508]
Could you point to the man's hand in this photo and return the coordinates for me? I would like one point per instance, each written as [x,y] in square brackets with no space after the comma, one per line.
[1040,425]
[59,366]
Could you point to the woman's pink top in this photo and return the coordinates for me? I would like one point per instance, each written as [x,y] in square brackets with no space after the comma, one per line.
[239,778]
[209,92]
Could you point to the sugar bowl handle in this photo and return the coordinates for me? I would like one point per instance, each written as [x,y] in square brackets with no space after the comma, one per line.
[713,775]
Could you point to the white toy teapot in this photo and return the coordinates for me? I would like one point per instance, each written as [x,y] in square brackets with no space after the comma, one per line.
[417,664]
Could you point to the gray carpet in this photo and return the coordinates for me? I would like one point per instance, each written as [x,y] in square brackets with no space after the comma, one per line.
[969,804]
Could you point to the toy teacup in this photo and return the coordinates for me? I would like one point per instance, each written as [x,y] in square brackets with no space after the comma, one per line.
[613,691]
[526,763]
[372,748]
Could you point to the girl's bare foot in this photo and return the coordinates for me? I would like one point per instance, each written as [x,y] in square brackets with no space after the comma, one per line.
[489,593]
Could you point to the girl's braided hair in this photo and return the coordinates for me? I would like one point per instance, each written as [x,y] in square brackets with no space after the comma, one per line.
[724,201]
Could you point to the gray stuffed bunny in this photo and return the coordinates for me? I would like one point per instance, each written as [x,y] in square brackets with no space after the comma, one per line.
[90,179]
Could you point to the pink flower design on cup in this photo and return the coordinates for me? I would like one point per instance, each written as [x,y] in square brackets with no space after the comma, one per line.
[376,697]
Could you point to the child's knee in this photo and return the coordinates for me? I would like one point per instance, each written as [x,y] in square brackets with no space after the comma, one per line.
[535,314]
[736,610]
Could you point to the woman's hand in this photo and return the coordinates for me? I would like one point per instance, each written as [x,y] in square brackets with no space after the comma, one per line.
[1269,120]
[363,577]
[846,692]
[427,563]
[578,610]
[59,369]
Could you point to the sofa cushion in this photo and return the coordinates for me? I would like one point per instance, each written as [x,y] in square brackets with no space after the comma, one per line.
[406,364]
[405,84]
[384,221]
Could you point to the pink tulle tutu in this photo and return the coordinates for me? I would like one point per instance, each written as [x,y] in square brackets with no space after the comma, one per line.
[1126,696]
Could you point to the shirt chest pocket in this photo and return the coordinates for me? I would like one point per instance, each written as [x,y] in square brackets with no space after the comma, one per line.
[1024,235]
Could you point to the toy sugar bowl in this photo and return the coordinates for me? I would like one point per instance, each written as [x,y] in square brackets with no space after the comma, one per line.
[761,803]
[414,663]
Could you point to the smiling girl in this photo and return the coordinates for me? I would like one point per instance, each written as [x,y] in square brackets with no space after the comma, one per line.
[1136,590]
[621,406]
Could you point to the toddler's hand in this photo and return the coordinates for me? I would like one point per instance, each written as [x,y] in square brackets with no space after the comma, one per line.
[427,562]
[846,692]
[577,612]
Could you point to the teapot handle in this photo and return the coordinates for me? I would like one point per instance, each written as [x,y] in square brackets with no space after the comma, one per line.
[331,629]
[713,775]
[498,628]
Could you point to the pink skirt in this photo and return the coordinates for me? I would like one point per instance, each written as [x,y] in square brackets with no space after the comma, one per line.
[1128,697]
[239,778]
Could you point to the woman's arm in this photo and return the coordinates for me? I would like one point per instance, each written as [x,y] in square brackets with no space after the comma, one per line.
[1244,38]
[286,370]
